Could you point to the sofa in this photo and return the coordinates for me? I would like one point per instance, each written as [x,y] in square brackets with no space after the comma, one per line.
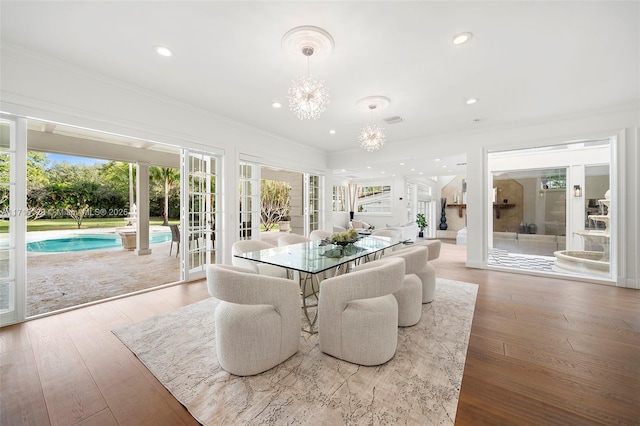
[407,232]
[359,225]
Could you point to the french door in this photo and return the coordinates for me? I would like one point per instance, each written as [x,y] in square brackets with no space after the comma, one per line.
[13,212]
[312,191]
[200,231]
[249,195]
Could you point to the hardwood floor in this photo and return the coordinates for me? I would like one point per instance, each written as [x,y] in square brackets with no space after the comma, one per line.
[541,351]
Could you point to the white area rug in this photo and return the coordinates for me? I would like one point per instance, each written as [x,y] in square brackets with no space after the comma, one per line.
[419,385]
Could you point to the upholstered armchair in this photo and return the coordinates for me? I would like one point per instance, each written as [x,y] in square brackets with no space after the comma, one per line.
[434,248]
[319,235]
[428,274]
[389,233]
[358,314]
[409,296]
[308,285]
[257,321]
[287,239]
[243,246]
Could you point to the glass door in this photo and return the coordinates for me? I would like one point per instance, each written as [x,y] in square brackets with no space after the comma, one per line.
[312,191]
[199,229]
[550,209]
[249,194]
[13,216]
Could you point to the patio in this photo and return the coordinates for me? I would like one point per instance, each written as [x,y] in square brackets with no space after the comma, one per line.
[61,280]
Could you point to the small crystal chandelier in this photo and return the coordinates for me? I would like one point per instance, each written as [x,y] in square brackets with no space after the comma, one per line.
[308,96]
[372,135]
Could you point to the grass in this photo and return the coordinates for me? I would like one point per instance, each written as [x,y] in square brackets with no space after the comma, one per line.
[90,223]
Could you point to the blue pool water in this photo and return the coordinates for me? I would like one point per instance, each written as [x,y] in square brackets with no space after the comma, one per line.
[87,242]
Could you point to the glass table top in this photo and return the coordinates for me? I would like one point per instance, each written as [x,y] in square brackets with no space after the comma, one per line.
[316,256]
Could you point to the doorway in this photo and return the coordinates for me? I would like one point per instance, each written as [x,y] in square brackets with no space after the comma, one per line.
[293,198]
[550,209]
[97,219]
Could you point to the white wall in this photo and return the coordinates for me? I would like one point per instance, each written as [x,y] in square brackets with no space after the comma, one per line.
[628,184]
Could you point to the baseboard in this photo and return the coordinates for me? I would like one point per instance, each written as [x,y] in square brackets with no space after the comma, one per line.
[446,234]
[475,264]
[630,283]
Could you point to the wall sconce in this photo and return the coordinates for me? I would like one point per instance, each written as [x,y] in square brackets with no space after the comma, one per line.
[577,191]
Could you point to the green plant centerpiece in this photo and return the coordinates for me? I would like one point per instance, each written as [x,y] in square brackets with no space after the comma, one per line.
[344,242]
[421,221]
[343,238]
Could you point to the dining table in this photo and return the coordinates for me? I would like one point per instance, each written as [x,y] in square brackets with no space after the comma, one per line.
[311,261]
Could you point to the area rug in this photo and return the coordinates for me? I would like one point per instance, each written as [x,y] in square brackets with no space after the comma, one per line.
[419,385]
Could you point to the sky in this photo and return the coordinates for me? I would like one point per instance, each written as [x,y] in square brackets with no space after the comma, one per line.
[72,159]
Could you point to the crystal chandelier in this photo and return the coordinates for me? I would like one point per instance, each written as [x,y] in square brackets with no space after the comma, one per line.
[308,96]
[372,135]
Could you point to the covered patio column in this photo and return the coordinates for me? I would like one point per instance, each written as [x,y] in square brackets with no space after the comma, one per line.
[142,231]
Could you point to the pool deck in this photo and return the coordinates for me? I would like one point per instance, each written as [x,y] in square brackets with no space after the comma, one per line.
[62,280]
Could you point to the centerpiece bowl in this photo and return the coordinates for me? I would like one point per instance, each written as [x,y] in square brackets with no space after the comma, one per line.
[346,243]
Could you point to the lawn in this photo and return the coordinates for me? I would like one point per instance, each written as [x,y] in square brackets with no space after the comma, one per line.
[62,224]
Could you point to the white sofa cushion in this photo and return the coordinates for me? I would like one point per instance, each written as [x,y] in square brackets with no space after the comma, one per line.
[359,224]
[406,232]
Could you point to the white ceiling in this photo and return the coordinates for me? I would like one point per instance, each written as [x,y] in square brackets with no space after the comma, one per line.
[528,61]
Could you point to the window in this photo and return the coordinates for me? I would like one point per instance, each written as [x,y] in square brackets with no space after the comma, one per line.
[554,179]
[314,202]
[374,199]
[249,195]
[339,198]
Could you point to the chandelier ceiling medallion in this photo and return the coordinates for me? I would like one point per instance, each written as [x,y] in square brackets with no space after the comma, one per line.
[372,135]
[308,96]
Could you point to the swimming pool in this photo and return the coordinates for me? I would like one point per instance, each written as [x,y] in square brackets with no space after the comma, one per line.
[82,242]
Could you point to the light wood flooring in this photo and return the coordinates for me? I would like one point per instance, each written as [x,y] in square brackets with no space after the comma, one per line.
[541,351]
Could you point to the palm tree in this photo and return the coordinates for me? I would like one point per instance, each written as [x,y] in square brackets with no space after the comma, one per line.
[169,176]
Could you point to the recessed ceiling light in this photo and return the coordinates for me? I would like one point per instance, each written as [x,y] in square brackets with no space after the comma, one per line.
[163,51]
[445,166]
[368,167]
[344,170]
[421,173]
[437,159]
[413,170]
[332,132]
[462,38]
[276,105]
[402,164]
[472,101]
[383,172]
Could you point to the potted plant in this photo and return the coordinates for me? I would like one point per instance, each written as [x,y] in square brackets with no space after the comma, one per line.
[421,221]
[284,224]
